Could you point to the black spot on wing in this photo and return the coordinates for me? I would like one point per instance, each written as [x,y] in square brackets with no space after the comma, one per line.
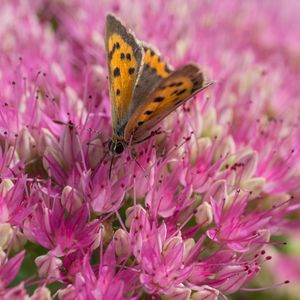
[118,92]
[115,46]
[180,92]
[128,56]
[158,99]
[122,56]
[116,72]
[148,112]
[131,71]
[173,84]
[140,123]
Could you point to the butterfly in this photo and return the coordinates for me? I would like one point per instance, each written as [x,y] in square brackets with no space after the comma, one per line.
[143,89]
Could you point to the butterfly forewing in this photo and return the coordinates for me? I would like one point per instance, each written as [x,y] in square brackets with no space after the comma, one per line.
[125,58]
[172,92]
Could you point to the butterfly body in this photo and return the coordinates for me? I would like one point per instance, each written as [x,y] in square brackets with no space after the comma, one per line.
[143,88]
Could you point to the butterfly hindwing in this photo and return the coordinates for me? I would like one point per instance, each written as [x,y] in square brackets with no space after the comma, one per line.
[172,92]
[125,58]
[153,72]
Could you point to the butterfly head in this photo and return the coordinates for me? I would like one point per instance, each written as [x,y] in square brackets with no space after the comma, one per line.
[116,146]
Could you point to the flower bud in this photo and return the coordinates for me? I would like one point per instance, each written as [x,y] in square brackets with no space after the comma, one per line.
[133,212]
[26,145]
[5,186]
[46,139]
[69,293]
[122,243]
[218,191]
[6,233]
[179,293]
[171,243]
[204,215]
[19,241]
[207,293]
[226,147]
[107,233]
[48,265]
[188,246]
[2,257]
[199,147]
[41,293]
[254,185]
[52,154]
[249,162]
[70,199]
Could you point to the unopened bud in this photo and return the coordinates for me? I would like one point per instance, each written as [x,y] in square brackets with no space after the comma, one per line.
[69,293]
[5,186]
[179,293]
[50,155]
[171,243]
[188,246]
[254,185]
[249,164]
[48,265]
[46,139]
[207,293]
[6,233]
[19,241]
[41,293]
[199,147]
[132,213]
[107,233]
[204,215]
[26,145]
[122,243]
[70,199]
[2,257]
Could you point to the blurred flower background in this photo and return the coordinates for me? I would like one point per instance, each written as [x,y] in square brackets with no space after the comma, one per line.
[212,207]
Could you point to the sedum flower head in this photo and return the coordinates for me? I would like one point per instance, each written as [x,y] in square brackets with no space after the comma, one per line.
[189,214]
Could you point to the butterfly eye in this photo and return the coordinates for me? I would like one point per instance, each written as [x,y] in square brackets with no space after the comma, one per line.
[115,147]
[119,148]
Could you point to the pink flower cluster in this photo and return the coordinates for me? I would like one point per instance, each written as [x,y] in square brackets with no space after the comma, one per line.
[192,218]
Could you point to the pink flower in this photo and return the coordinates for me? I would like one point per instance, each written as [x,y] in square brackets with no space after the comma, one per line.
[9,268]
[194,213]
[160,259]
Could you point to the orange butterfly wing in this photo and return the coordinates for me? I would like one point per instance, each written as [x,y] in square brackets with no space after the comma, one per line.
[125,57]
[172,92]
